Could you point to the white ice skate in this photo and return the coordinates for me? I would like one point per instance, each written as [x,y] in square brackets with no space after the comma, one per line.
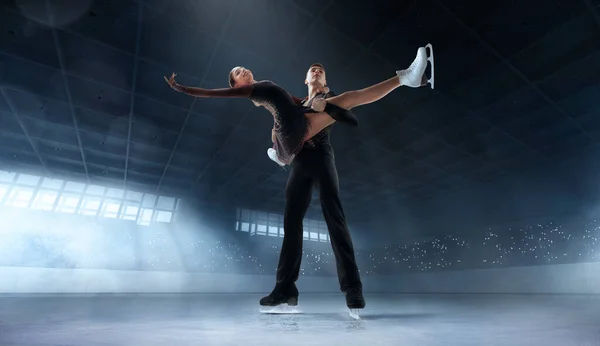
[413,76]
[273,156]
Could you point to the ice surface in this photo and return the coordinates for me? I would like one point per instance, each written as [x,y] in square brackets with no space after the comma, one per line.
[180,320]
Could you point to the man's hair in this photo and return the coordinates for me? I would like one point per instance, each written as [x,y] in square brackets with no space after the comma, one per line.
[317,64]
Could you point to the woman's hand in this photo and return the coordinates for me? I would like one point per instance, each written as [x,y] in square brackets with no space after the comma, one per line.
[318,105]
[172,83]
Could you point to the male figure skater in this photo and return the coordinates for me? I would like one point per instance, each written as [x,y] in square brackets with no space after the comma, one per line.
[315,165]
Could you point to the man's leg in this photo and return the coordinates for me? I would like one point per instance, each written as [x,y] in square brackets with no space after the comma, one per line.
[298,193]
[341,241]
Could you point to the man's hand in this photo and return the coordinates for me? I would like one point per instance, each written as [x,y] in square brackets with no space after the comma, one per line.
[318,104]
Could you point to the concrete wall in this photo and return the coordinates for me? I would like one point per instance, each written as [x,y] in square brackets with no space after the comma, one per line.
[569,278]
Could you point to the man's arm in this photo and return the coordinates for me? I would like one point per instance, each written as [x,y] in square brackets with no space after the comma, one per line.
[336,112]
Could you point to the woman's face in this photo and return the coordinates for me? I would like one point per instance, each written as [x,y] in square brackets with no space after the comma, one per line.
[241,76]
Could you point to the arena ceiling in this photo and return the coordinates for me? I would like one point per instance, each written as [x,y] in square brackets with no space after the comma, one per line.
[82,92]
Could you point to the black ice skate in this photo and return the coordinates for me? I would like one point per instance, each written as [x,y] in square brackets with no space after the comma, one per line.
[280,303]
[277,299]
[355,301]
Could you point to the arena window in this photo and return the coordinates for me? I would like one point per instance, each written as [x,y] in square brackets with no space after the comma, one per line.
[271,224]
[19,190]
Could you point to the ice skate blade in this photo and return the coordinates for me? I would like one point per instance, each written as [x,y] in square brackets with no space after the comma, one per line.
[430,58]
[282,309]
[354,313]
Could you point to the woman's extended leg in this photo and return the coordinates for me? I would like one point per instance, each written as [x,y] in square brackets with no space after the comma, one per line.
[414,76]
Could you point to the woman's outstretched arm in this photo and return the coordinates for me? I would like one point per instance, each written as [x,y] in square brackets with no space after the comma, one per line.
[239,92]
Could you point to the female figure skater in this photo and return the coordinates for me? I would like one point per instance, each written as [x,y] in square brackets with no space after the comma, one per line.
[294,124]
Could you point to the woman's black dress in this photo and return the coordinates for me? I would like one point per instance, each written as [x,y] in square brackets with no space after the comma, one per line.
[291,124]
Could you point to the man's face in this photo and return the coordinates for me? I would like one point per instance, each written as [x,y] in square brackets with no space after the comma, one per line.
[316,76]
